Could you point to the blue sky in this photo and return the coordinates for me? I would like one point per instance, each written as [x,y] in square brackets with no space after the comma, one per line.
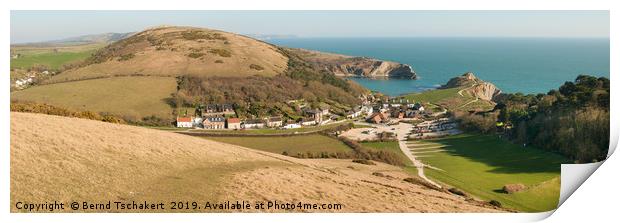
[35,26]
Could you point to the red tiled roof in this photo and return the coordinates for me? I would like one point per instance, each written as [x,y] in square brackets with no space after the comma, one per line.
[184,119]
[233,120]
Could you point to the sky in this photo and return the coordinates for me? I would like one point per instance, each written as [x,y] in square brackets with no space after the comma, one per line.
[37,26]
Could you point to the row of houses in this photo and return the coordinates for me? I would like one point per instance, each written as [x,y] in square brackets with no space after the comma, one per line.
[217,109]
[220,122]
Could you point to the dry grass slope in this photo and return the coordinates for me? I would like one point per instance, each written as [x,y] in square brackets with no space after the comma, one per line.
[133,97]
[68,159]
[174,51]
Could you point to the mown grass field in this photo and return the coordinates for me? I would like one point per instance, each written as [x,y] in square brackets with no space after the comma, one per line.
[125,96]
[482,164]
[313,143]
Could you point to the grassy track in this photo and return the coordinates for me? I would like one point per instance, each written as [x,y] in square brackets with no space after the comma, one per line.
[123,96]
[482,164]
[291,144]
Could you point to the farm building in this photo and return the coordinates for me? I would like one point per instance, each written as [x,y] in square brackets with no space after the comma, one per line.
[274,122]
[233,123]
[253,124]
[184,122]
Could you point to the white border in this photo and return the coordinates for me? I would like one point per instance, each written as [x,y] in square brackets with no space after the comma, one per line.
[594,201]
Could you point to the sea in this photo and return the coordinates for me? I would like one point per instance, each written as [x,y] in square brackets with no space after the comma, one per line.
[527,65]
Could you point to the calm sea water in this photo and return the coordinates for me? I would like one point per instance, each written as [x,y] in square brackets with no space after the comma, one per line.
[528,65]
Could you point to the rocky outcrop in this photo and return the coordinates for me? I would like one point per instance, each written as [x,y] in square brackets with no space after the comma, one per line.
[342,65]
[485,91]
[466,79]
[474,86]
[371,68]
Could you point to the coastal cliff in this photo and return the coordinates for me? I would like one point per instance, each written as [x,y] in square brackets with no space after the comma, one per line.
[475,86]
[348,66]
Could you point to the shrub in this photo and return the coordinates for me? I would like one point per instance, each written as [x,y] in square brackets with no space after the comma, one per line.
[256,67]
[418,181]
[126,57]
[59,111]
[457,192]
[364,161]
[195,55]
[495,203]
[513,188]
[221,52]
[197,34]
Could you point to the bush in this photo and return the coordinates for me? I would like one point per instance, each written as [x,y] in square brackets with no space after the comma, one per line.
[59,111]
[364,161]
[495,203]
[513,188]
[418,181]
[457,192]
[256,67]
[126,57]
[195,55]
[378,174]
[221,52]
[197,34]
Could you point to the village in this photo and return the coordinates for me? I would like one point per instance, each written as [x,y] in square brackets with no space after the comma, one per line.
[427,123]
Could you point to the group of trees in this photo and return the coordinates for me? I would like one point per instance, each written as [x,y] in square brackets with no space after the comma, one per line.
[259,95]
[572,120]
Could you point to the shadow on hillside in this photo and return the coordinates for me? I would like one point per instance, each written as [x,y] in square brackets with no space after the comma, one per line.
[503,156]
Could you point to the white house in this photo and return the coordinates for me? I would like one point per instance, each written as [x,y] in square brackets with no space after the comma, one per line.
[253,124]
[356,112]
[184,122]
[291,125]
[308,121]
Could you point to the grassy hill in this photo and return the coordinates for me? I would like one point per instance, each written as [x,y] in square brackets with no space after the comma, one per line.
[85,160]
[175,51]
[210,66]
[128,97]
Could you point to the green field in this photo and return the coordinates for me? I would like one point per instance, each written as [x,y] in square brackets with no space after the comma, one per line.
[313,143]
[123,96]
[52,60]
[433,96]
[389,146]
[482,164]
[450,99]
